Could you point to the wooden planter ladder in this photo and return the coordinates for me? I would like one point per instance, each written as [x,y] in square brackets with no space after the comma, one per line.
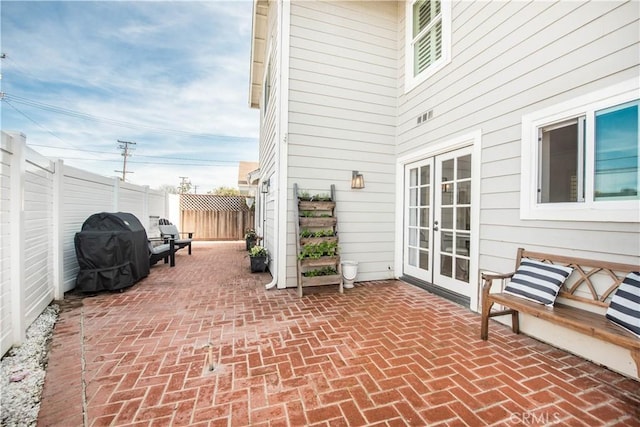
[318,215]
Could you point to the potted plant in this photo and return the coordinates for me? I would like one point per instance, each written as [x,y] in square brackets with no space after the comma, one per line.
[259,257]
[250,237]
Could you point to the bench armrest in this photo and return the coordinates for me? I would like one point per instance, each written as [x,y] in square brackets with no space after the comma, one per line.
[488,279]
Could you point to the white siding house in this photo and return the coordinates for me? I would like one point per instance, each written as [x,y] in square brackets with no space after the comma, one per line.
[448,110]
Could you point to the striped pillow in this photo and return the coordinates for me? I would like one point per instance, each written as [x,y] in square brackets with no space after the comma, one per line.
[625,304]
[538,281]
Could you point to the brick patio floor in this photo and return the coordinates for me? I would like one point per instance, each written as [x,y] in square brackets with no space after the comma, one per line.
[383,354]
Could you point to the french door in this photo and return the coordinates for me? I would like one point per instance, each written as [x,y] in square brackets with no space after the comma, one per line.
[437,221]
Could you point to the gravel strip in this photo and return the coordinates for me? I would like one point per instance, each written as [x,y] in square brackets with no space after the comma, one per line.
[22,372]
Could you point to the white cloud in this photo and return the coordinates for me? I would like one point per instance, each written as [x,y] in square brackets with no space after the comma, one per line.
[162,65]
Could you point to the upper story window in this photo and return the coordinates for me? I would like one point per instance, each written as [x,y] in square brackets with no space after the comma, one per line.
[266,87]
[428,37]
[580,159]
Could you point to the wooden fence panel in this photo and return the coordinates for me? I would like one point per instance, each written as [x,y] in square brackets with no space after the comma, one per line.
[212,225]
[215,217]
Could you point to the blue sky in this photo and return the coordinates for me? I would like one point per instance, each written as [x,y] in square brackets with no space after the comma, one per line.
[171,76]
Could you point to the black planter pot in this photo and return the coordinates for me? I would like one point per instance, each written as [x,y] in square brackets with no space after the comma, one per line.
[250,243]
[258,264]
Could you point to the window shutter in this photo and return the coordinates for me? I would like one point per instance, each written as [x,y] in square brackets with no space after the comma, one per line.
[427,27]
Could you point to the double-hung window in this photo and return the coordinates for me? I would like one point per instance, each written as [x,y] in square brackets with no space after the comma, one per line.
[428,39]
[580,159]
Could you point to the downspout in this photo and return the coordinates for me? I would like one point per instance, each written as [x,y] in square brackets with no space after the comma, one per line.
[280,173]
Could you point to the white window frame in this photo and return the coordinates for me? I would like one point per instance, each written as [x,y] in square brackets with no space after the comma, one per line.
[589,209]
[411,81]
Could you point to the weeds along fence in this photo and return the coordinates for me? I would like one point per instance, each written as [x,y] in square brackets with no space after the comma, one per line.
[43,204]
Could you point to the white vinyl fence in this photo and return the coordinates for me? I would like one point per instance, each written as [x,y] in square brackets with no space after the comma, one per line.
[43,203]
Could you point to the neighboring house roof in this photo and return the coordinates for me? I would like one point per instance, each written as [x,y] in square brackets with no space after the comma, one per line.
[258,40]
[244,169]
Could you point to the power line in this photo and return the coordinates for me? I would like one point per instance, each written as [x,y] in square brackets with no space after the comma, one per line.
[137,155]
[206,165]
[37,123]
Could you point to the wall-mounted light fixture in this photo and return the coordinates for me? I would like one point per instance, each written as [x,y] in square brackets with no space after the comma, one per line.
[264,188]
[249,201]
[357,180]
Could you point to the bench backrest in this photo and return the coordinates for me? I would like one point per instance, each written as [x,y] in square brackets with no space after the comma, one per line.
[591,282]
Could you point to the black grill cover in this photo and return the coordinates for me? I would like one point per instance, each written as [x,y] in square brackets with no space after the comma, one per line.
[112,252]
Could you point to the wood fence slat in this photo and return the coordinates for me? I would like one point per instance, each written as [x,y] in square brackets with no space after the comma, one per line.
[213,217]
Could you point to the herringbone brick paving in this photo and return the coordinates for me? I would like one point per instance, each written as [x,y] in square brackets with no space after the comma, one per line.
[383,354]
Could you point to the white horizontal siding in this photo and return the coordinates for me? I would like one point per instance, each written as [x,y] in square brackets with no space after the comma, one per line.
[342,117]
[510,59]
[268,150]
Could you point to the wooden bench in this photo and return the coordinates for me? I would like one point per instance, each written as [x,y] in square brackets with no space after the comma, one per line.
[591,284]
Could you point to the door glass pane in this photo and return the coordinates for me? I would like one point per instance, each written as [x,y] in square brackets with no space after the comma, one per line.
[462,269]
[463,218]
[413,237]
[424,196]
[413,177]
[446,244]
[463,243]
[424,260]
[559,150]
[446,218]
[447,194]
[616,170]
[447,171]
[424,239]
[464,167]
[413,197]
[425,175]
[413,257]
[464,192]
[445,265]
[424,217]
[413,216]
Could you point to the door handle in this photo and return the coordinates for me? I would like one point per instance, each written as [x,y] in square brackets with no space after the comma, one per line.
[435,226]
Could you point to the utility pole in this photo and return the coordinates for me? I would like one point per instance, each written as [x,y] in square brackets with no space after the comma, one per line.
[185,184]
[124,146]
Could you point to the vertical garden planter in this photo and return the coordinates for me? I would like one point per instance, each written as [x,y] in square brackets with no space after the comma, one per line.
[317,242]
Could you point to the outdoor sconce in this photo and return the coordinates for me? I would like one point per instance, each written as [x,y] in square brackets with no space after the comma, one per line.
[447,188]
[265,186]
[357,180]
[249,201]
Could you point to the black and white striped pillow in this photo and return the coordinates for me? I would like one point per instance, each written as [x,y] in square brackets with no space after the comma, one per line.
[538,281]
[625,304]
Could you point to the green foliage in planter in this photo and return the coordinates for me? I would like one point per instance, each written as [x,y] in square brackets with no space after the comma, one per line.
[250,234]
[320,233]
[307,197]
[311,214]
[324,271]
[318,250]
[304,195]
[258,251]
[324,197]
